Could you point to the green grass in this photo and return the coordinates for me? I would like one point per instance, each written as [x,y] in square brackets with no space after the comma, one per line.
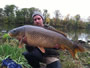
[14,52]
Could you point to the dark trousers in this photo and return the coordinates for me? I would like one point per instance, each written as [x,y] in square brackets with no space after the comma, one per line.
[35,57]
[55,64]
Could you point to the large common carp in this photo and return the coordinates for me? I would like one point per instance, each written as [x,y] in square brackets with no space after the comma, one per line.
[44,38]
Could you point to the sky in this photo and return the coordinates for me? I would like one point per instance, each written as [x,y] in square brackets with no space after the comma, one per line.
[72,7]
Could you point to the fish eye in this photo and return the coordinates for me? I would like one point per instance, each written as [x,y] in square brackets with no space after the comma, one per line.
[14,30]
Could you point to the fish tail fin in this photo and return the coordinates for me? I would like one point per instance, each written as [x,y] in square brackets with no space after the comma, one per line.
[78,48]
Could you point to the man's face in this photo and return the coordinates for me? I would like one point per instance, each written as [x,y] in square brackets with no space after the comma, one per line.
[38,20]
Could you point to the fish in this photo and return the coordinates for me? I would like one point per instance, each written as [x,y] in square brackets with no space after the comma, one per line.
[43,38]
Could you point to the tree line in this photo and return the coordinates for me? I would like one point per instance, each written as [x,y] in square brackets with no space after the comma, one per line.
[10,14]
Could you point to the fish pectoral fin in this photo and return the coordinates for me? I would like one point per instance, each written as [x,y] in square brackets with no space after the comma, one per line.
[21,44]
[42,49]
[76,55]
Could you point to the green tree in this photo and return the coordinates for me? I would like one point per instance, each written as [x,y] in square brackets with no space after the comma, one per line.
[19,17]
[10,13]
[46,16]
[1,15]
[77,19]
[25,14]
[57,17]
[10,9]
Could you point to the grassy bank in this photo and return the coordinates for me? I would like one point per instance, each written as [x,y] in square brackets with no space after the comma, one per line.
[11,49]
[68,62]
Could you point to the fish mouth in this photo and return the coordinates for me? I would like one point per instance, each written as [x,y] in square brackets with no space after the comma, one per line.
[10,34]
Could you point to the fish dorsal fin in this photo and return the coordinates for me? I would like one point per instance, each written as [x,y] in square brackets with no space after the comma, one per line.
[42,49]
[55,30]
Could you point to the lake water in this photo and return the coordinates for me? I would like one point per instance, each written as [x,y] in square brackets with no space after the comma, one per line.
[77,34]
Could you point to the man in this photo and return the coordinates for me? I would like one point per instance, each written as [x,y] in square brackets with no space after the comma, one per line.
[35,56]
